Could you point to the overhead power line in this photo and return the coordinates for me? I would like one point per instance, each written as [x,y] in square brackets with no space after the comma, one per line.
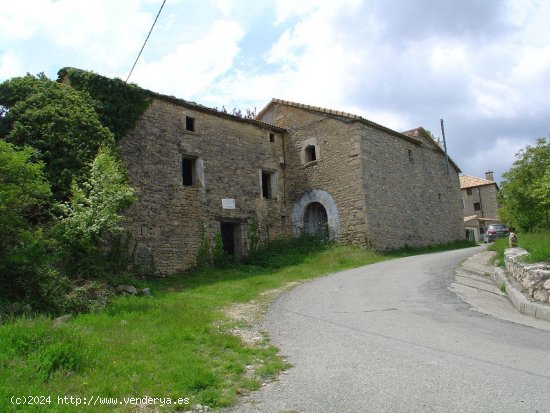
[145,42]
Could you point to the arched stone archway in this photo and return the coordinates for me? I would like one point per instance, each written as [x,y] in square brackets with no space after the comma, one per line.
[310,204]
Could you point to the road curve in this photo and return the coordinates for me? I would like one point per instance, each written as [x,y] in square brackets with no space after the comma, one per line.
[391,337]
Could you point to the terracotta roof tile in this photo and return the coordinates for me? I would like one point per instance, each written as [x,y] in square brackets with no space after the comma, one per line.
[467,181]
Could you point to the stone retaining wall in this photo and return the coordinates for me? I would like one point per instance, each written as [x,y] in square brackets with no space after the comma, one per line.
[533,278]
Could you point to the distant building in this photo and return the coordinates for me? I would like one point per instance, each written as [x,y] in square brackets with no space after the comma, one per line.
[479,197]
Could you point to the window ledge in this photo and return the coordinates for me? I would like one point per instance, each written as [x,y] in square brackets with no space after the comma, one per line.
[308,164]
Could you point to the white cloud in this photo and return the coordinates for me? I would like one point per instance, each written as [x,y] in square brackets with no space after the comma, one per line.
[10,65]
[192,67]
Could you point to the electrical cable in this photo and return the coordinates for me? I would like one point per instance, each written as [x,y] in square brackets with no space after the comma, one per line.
[145,42]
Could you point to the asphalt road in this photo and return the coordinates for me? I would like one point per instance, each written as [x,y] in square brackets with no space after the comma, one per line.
[392,337]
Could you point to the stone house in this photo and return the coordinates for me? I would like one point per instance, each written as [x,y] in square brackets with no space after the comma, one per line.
[479,198]
[296,169]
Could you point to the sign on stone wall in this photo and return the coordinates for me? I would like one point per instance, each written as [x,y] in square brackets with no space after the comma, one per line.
[228,203]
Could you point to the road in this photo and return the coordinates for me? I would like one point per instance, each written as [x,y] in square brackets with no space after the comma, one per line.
[392,337]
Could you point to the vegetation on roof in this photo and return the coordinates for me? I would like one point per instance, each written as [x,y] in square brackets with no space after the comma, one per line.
[119,104]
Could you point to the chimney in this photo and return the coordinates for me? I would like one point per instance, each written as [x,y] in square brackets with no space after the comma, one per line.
[489,176]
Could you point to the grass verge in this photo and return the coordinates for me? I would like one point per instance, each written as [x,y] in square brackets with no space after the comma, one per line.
[536,243]
[177,345]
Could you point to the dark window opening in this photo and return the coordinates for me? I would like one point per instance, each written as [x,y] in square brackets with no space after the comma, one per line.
[410,155]
[190,124]
[266,185]
[477,206]
[469,191]
[310,153]
[271,137]
[188,171]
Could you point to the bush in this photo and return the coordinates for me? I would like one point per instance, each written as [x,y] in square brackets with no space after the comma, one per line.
[92,215]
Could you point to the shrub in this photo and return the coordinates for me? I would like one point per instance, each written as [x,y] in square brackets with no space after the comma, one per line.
[92,214]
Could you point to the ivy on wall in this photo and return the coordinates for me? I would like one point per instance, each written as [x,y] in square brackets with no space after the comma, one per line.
[119,104]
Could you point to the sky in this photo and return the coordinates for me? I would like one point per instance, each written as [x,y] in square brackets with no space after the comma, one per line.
[481,65]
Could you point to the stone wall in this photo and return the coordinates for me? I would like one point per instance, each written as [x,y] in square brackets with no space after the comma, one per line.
[533,278]
[390,191]
[411,201]
[336,170]
[227,156]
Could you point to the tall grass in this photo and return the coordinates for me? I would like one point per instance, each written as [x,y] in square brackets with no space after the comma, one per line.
[177,344]
[536,243]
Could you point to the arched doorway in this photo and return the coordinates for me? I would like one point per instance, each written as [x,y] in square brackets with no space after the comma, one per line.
[330,219]
[316,220]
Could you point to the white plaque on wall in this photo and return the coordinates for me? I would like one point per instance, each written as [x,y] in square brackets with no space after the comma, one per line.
[228,203]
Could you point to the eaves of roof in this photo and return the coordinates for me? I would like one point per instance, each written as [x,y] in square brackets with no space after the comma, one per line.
[421,131]
[338,113]
[189,104]
[468,181]
[205,109]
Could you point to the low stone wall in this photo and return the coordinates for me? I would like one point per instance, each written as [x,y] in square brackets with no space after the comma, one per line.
[533,278]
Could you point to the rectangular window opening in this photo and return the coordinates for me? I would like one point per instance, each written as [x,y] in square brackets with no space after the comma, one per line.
[311,154]
[271,137]
[469,191]
[188,171]
[267,187]
[477,206]
[190,124]
[410,155]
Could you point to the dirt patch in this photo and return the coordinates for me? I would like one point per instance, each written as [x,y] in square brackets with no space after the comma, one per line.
[249,315]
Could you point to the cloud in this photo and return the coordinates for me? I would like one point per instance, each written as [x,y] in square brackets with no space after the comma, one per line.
[498,158]
[483,66]
[193,66]
[44,33]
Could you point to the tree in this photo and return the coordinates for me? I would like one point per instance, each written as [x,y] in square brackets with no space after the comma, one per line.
[525,192]
[59,122]
[24,199]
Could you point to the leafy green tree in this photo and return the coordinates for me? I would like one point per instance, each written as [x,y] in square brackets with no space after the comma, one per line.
[58,121]
[525,192]
[93,212]
[24,199]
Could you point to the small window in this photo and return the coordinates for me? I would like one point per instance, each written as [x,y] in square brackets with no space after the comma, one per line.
[190,124]
[477,206]
[469,191]
[410,155]
[311,154]
[271,137]
[188,171]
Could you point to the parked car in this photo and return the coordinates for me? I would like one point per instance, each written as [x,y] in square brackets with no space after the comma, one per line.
[495,231]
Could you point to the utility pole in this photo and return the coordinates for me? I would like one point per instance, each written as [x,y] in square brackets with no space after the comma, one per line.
[445,147]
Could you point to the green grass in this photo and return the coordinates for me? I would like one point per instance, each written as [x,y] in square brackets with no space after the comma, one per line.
[175,345]
[536,243]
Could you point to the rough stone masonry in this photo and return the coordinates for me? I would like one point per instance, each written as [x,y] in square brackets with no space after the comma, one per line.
[295,169]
